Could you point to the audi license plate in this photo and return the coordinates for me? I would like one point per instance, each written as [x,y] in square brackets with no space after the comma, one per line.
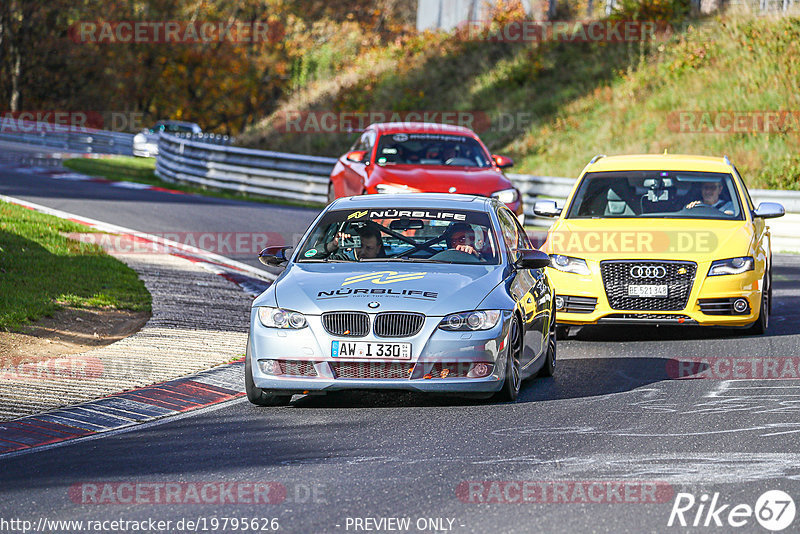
[660,291]
[370,349]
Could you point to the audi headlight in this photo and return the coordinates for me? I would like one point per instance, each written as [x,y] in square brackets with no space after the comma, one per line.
[473,320]
[732,266]
[568,264]
[506,196]
[280,318]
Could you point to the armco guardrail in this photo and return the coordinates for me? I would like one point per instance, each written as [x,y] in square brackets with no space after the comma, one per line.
[69,138]
[260,172]
[289,176]
[533,187]
[214,139]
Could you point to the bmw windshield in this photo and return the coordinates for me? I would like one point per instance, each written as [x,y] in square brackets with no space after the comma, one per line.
[408,235]
[656,194]
[430,149]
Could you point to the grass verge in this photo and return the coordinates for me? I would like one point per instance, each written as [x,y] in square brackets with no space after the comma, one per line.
[141,170]
[41,270]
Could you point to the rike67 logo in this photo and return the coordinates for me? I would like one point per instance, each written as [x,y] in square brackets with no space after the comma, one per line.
[774,510]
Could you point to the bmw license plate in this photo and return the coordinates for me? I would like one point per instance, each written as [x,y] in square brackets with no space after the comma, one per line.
[370,349]
[660,291]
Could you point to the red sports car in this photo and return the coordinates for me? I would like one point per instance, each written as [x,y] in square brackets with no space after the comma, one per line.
[421,157]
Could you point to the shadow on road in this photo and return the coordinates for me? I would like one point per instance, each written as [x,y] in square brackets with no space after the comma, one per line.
[575,378]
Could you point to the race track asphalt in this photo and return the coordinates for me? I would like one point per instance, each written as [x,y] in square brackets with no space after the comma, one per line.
[613,419]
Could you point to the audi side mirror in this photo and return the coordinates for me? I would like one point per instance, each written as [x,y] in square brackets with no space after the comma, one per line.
[769,210]
[546,208]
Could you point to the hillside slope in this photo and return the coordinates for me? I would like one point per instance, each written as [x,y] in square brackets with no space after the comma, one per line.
[555,105]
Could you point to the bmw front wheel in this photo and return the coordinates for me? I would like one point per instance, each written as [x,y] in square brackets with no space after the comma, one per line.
[513,379]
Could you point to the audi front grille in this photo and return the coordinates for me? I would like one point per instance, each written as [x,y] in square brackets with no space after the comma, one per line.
[678,276]
[346,324]
[398,324]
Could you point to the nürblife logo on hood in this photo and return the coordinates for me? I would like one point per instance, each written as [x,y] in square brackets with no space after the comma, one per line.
[377,292]
[380,277]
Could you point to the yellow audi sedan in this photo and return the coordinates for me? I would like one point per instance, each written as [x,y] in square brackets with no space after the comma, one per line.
[661,239]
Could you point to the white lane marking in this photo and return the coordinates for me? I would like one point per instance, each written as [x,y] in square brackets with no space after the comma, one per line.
[636,433]
[130,185]
[671,467]
[113,228]
[722,388]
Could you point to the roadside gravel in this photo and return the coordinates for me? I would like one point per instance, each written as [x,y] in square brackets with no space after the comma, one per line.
[199,320]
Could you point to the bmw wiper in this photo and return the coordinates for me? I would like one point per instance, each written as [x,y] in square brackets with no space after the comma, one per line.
[326,260]
[411,260]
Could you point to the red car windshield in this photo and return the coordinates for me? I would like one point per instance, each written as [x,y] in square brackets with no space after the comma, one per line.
[430,149]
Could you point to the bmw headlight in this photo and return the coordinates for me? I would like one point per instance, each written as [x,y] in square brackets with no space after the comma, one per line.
[280,318]
[506,196]
[568,264]
[473,320]
[732,266]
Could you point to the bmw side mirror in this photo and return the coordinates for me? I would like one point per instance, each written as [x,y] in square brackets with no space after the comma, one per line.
[769,210]
[273,256]
[502,162]
[532,259]
[546,208]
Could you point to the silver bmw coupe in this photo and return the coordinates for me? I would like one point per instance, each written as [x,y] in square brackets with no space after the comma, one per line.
[435,293]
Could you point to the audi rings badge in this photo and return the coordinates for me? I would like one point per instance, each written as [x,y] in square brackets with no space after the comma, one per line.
[648,271]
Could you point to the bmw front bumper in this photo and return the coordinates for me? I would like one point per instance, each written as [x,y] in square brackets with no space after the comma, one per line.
[441,361]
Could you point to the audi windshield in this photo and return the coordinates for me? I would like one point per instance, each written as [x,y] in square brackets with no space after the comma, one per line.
[656,194]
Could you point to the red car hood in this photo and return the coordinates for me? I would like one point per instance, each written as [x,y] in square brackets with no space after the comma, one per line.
[466,180]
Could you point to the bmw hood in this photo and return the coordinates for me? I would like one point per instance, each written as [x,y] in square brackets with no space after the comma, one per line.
[432,289]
